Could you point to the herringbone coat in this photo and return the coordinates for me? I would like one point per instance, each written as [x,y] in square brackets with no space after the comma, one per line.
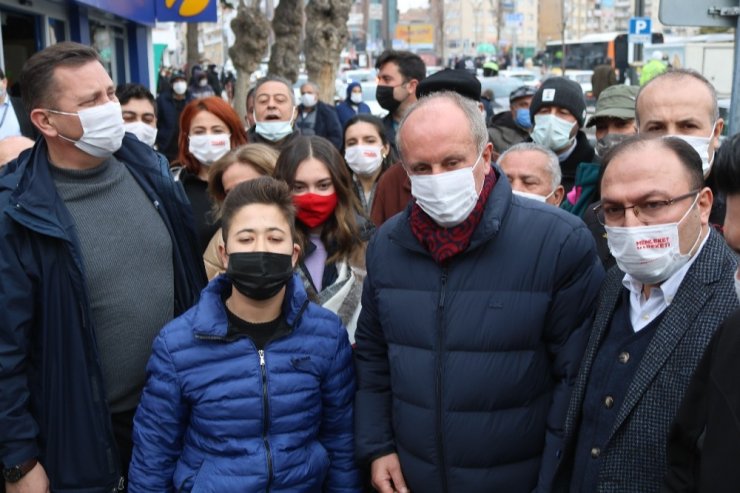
[634,457]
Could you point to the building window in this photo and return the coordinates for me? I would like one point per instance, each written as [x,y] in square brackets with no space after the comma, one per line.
[57,31]
[109,41]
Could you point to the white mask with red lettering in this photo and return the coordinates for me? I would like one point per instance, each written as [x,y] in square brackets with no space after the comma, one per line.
[650,254]
[207,148]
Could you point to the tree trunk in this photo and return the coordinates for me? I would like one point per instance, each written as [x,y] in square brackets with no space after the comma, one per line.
[252,31]
[191,37]
[287,25]
[326,36]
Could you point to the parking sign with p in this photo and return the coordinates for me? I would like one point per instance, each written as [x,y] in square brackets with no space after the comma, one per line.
[640,30]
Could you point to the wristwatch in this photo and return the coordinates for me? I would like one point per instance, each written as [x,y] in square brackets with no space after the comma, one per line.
[15,473]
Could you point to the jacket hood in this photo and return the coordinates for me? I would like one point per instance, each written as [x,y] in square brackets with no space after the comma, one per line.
[209,315]
[351,86]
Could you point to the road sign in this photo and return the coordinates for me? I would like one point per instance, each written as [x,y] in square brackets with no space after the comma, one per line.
[709,13]
[514,20]
[640,30]
[375,12]
[699,13]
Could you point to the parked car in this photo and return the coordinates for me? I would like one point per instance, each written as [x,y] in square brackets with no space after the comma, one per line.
[501,87]
[527,77]
[368,96]
[359,75]
[433,69]
[583,77]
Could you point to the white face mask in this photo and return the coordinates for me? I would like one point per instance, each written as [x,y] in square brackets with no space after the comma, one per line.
[145,133]
[364,160]
[533,196]
[356,97]
[180,87]
[309,100]
[102,129]
[208,148]
[650,254]
[552,132]
[448,198]
[701,146]
[273,130]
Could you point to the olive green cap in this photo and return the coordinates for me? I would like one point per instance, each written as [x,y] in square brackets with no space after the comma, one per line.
[615,102]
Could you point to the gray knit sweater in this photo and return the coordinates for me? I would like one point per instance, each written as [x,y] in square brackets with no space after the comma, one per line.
[127,257]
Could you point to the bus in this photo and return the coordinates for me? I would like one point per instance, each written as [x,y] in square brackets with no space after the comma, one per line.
[592,49]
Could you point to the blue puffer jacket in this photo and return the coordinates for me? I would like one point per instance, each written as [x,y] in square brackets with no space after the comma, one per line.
[465,370]
[217,415]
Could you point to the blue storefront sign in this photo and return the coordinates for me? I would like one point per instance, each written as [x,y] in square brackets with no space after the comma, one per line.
[187,10]
[147,11]
[141,11]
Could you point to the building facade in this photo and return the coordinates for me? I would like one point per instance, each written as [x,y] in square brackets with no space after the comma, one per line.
[119,31]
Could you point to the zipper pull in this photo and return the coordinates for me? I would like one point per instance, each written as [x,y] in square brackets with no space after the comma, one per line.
[262,357]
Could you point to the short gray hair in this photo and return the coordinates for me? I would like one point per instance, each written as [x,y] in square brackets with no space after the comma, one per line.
[553,164]
[312,84]
[478,130]
[678,74]
[275,78]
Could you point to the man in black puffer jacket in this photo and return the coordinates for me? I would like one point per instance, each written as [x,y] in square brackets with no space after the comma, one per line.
[475,313]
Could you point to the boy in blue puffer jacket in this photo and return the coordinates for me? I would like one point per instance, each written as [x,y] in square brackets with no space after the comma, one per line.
[252,388]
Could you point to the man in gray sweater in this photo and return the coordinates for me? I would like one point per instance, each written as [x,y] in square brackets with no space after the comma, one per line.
[96,255]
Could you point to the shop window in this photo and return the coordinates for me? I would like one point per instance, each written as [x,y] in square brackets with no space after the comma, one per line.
[57,31]
[110,43]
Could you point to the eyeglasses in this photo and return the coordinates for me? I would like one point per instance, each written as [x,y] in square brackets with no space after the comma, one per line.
[650,210]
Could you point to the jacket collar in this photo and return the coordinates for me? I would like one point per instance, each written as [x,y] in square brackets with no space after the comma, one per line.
[497,207]
[209,318]
[34,201]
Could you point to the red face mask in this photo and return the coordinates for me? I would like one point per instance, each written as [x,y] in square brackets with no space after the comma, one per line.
[313,209]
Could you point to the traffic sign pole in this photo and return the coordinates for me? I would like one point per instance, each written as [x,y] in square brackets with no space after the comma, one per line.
[734,115]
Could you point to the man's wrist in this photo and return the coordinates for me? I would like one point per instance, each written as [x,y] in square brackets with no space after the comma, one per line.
[15,473]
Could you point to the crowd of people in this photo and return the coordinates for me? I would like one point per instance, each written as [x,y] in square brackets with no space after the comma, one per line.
[317,299]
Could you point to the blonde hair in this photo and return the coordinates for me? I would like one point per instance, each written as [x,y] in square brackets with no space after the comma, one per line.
[259,156]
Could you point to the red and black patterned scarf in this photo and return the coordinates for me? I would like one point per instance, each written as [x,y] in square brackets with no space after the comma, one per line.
[445,243]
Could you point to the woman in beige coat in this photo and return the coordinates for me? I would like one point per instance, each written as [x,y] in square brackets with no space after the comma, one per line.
[244,163]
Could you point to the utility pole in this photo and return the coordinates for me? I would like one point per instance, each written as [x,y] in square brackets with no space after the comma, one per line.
[500,24]
[563,18]
[386,28]
[438,18]
[639,12]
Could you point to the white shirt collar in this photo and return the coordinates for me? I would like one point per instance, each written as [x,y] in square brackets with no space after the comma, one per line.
[642,310]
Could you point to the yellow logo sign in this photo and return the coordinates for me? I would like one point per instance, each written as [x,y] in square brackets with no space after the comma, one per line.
[189,8]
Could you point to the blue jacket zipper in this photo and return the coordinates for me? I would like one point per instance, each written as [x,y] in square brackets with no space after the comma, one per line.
[266,420]
[440,356]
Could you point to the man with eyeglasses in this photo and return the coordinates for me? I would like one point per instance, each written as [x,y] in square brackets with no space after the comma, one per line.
[656,314]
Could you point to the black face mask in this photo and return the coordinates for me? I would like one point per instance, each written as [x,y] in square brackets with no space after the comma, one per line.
[384,96]
[259,275]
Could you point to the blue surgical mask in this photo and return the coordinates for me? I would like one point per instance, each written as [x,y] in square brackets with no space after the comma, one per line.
[523,119]
[552,132]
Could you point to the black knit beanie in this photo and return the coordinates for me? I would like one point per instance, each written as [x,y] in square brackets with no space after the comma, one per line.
[562,92]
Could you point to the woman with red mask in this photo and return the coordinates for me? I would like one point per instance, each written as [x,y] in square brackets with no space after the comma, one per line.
[332,230]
